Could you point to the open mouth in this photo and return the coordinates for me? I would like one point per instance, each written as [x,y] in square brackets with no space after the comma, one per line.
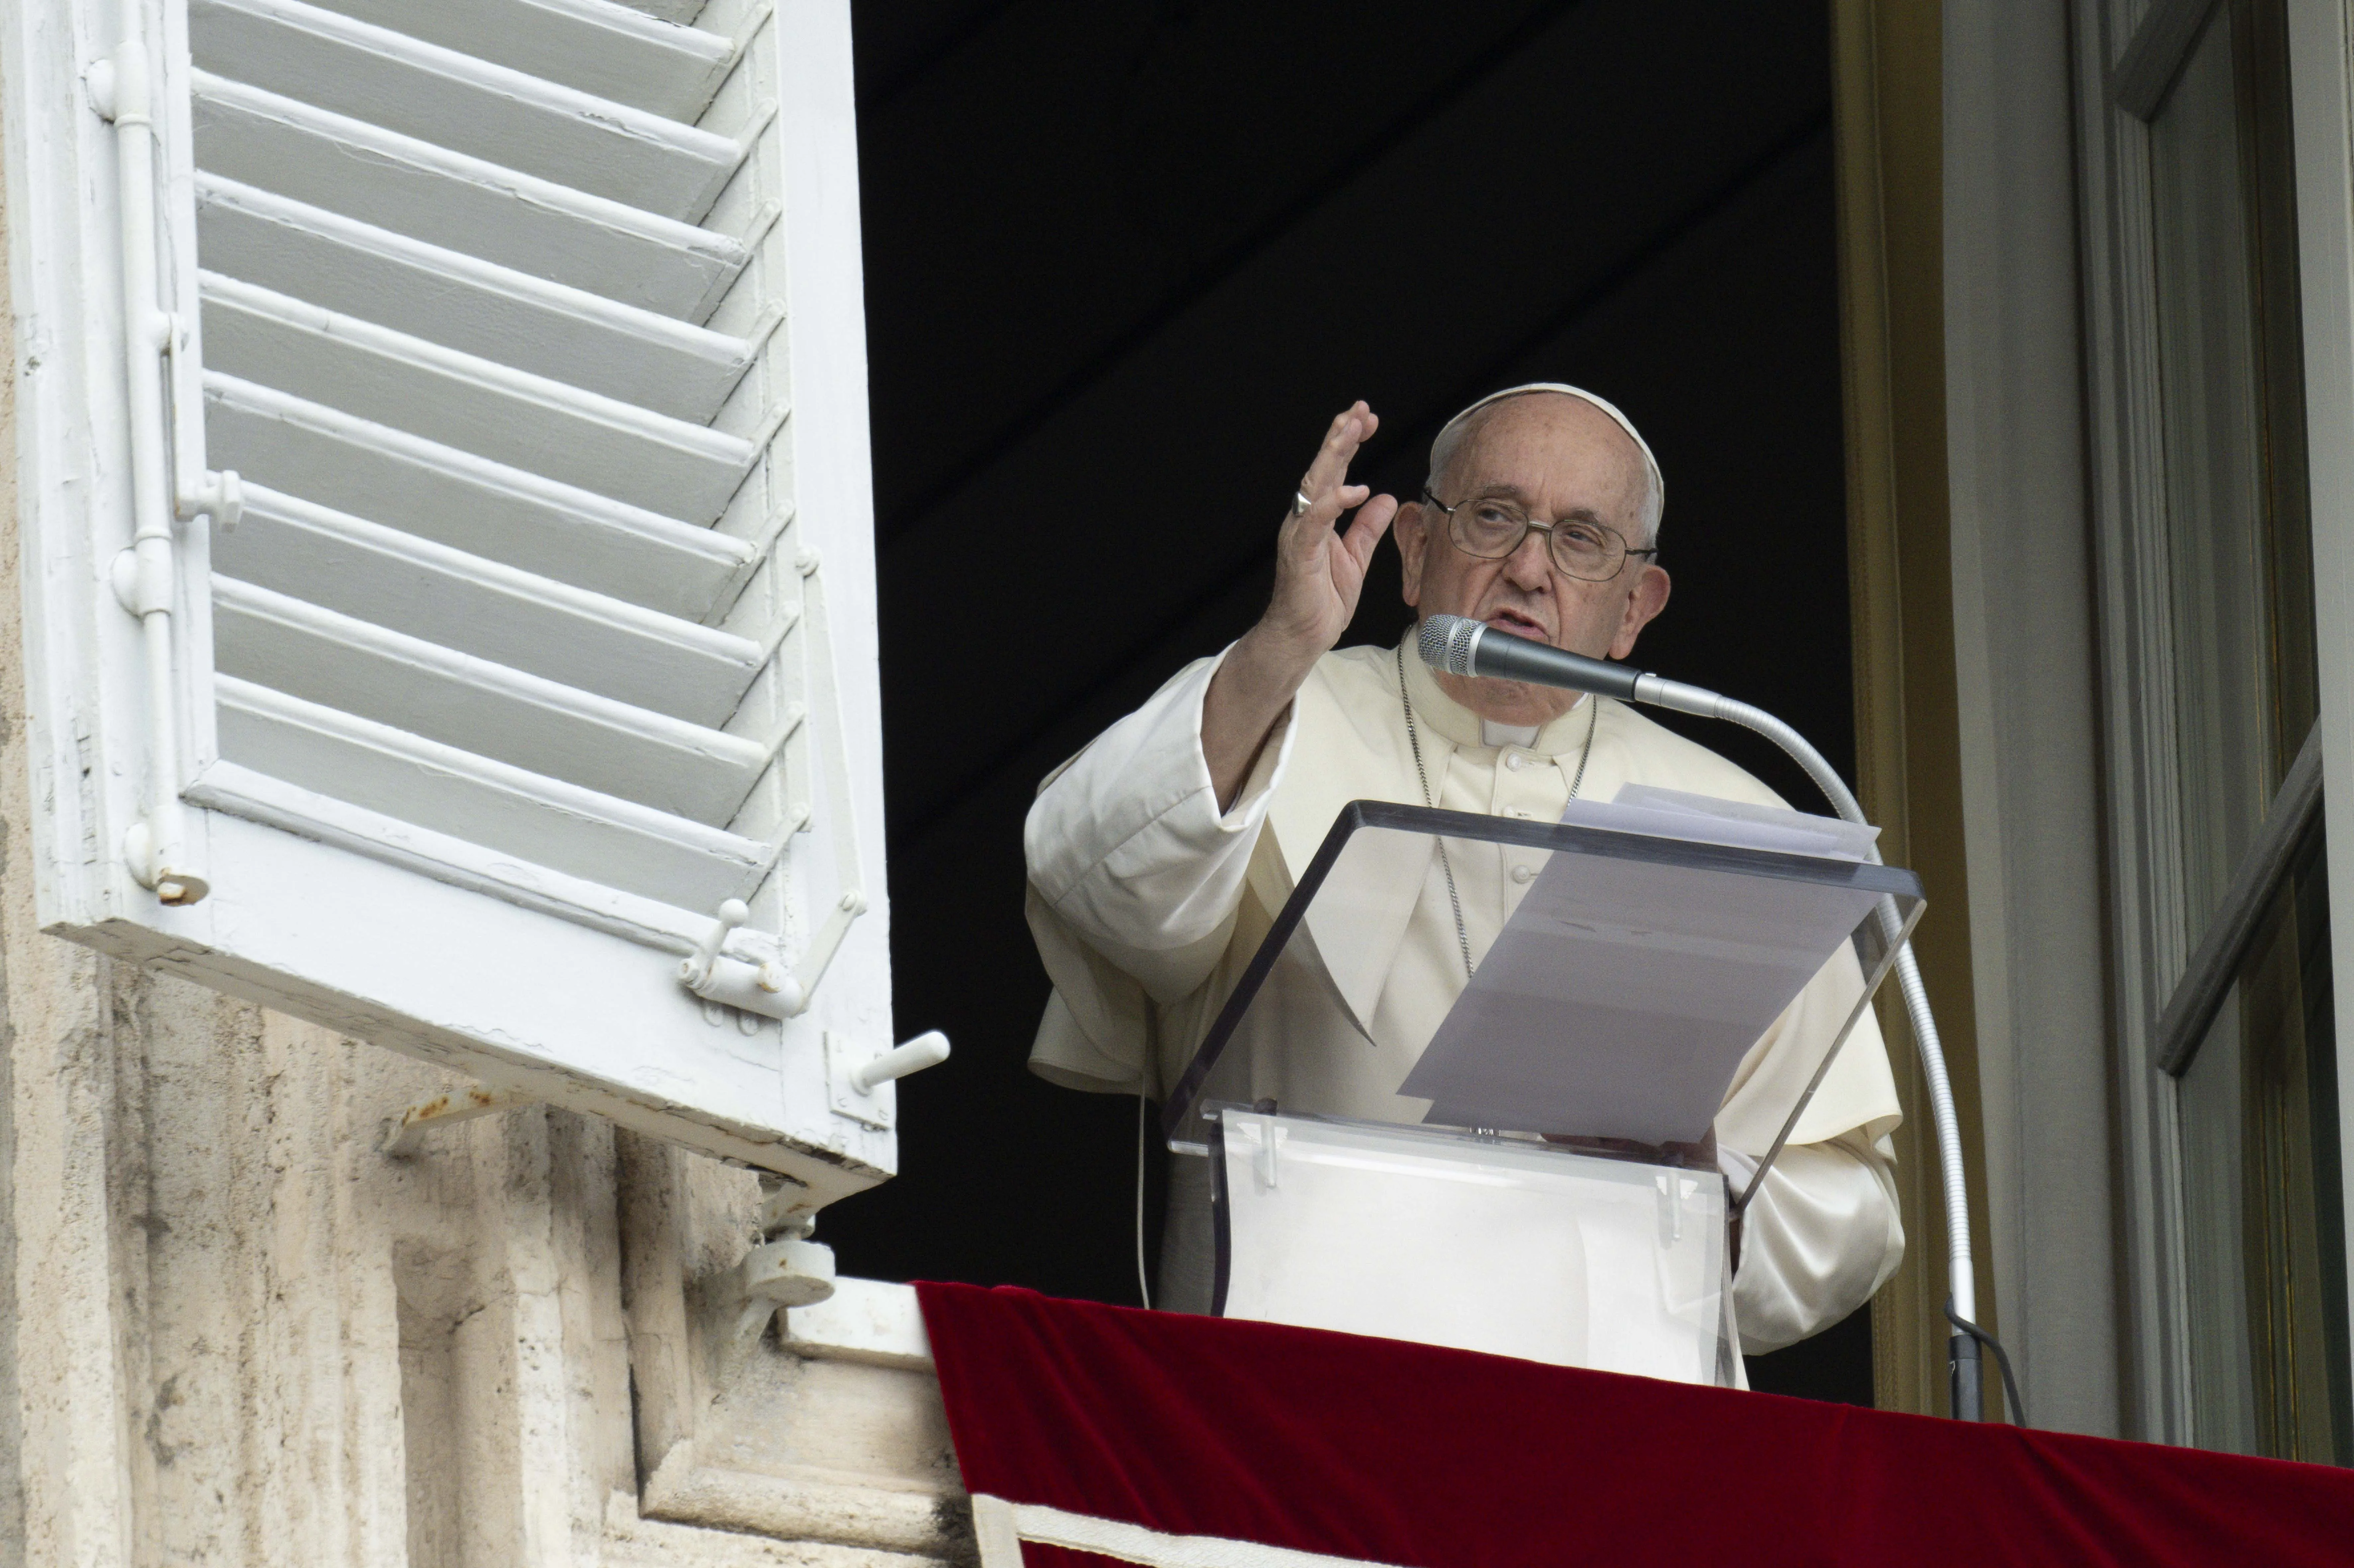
[1520,625]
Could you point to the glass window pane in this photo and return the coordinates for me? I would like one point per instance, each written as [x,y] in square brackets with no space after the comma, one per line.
[2265,1256]
[2222,1379]
[2215,526]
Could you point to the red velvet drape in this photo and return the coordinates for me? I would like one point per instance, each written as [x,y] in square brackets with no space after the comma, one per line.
[1407,1454]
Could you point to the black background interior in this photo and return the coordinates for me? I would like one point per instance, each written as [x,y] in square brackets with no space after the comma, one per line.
[1124,260]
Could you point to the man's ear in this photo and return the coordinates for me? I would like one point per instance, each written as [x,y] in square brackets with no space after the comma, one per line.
[1411,536]
[1648,597]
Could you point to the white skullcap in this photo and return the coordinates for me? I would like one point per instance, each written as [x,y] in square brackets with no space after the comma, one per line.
[1655,504]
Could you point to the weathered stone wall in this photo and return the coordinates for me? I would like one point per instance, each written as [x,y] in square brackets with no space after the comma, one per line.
[238,1333]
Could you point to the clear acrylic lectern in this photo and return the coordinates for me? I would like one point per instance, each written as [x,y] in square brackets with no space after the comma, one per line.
[1521,1162]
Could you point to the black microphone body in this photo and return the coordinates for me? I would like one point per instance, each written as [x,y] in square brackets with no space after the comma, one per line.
[1462,646]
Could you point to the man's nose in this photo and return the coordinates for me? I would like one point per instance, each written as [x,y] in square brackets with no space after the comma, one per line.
[1530,565]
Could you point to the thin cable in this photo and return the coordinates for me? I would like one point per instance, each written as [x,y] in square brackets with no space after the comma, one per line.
[1143,1286]
[2010,1383]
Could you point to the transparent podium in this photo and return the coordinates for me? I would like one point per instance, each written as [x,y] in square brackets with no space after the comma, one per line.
[1464,1092]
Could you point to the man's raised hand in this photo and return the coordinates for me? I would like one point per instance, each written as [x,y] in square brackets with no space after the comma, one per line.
[1318,573]
[1319,570]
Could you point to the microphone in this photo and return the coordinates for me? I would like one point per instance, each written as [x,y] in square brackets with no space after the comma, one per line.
[1461,646]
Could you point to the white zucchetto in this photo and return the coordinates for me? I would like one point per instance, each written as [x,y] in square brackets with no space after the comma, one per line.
[1659,496]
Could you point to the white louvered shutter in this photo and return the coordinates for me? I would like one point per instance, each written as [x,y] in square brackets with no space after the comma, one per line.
[531,331]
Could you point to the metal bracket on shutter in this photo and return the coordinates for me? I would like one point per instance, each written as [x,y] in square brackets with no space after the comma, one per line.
[769,989]
[197,491]
[853,1073]
[145,577]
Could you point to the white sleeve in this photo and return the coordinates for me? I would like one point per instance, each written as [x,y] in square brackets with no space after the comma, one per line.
[1821,1237]
[1127,844]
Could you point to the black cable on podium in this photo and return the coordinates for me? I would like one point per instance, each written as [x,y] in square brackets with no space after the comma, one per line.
[1461,646]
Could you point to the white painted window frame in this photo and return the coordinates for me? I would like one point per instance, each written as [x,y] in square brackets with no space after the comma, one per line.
[2150,934]
[2321,92]
[2151,944]
[564,992]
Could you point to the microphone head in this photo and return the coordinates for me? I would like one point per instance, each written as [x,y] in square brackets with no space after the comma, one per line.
[1446,642]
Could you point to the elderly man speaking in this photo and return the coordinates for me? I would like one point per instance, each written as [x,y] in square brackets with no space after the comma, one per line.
[1159,854]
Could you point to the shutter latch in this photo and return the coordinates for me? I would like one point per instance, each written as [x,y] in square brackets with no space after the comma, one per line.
[768,989]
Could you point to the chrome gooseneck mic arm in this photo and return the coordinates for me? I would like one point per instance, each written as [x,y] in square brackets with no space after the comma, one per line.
[1464,647]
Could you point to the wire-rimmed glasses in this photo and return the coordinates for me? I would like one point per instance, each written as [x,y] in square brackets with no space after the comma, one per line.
[1490,527]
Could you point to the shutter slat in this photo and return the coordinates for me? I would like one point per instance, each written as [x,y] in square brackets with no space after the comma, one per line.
[413,781]
[530,721]
[680,11]
[544,426]
[467,105]
[469,605]
[447,198]
[597,47]
[471,504]
[416,564]
[462,302]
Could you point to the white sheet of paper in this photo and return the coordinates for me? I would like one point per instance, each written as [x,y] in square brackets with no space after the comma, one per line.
[1621,995]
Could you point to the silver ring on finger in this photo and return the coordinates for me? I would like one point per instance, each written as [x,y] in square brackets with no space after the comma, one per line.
[1300,503]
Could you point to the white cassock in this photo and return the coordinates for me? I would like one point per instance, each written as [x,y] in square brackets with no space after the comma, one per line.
[1147,904]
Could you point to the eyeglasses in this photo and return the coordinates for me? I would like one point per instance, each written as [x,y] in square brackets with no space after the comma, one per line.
[1491,527]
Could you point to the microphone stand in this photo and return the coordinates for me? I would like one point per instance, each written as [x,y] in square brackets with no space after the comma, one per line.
[1466,647]
[1963,1362]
